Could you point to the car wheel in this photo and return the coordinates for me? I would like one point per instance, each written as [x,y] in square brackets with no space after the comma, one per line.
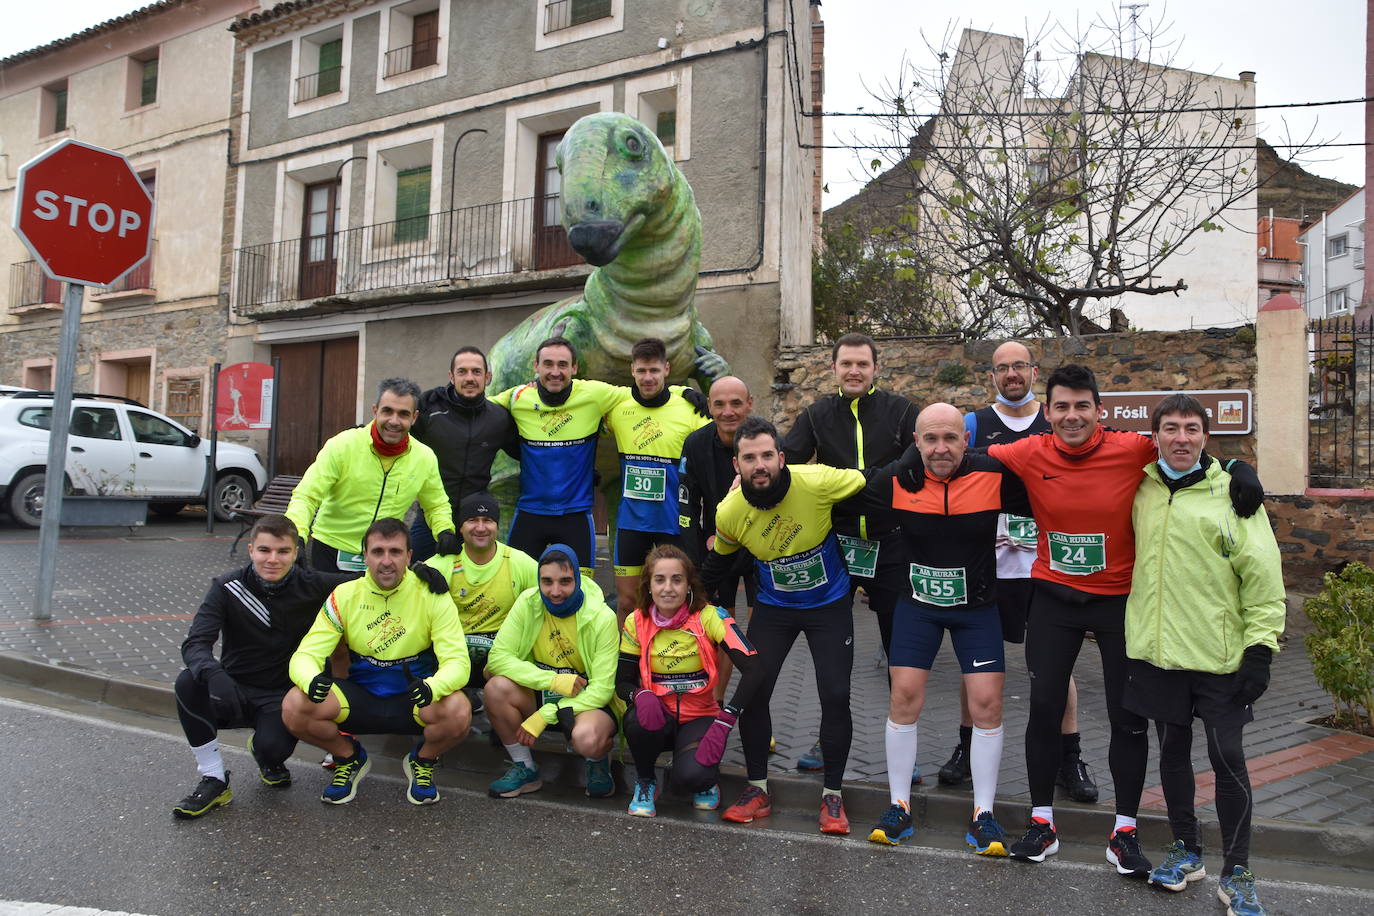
[166,510]
[26,499]
[232,493]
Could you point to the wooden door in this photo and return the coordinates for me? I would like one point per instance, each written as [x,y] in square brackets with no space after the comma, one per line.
[137,376]
[551,248]
[424,47]
[316,397]
[318,225]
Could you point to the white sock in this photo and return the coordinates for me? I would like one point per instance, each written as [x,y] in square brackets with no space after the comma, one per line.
[520,754]
[834,792]
[1044,812]
[985,760]
[208,759]
[1123,821]
[901,760]
[760,784]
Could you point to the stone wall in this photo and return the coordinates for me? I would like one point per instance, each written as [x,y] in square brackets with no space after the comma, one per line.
[1318,532]
[929,370]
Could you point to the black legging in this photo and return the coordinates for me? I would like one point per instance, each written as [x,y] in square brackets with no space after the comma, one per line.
[1059,617]
[271,741]
[1225,749]
[683,738]
[890,583]
[829,633]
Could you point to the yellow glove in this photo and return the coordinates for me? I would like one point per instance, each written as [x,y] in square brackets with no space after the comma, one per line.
[535,724]
[564,684]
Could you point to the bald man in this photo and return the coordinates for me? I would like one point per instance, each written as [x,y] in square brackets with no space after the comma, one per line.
[948,527]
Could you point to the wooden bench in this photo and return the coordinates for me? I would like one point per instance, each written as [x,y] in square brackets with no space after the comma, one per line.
[273,501]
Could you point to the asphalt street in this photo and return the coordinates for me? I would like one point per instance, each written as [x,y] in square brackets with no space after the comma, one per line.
[87,790]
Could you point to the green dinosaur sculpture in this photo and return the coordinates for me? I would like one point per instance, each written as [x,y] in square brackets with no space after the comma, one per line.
[629,211]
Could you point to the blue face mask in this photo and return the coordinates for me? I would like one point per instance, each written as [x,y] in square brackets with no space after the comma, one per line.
[1176,475]
[1002,399]
[568,606]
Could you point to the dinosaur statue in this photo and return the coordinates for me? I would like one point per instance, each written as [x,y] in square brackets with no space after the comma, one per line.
[630,212]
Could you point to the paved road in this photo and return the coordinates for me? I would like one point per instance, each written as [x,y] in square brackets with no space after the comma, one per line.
[86,793]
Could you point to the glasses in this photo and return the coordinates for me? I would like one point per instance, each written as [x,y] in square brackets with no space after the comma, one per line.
[1003,368]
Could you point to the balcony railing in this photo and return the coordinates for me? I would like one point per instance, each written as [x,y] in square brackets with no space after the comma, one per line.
[487,240]
[31,289]
[412,57]
[137,284]
[564,14]
[314,85]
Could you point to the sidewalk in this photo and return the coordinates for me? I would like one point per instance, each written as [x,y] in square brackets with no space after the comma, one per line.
[124,602]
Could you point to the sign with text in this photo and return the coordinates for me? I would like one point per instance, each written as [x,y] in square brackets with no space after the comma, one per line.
[244,399]
[1228,410]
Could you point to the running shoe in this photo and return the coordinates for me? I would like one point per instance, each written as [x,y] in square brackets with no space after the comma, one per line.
[986,836]
[956,770]
[642,805]
[1074,778]
[420,773]
[894,827]
[1181,867]
[833,818]
[916,777]
[707,799]
[275,775]
[812,760]
[752,802]
[343,787]
[1237,891]
[209,793]
[1039,841]
[1123,851]
[600,782]
[772,744]
[518,780]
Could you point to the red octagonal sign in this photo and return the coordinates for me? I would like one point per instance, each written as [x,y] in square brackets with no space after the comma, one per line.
[84,213]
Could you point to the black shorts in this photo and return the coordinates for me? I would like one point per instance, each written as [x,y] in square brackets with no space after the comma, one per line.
[631,547]
[1178,697]
[479,648]
[741,572]
[532,533]
[365,713]
[1013,604]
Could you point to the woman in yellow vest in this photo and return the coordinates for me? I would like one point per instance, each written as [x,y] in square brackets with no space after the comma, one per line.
[667,676]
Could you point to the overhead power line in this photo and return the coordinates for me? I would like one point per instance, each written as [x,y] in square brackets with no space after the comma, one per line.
[1216,109]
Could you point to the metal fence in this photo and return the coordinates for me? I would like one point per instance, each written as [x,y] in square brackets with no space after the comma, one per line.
[29,286]
[486,240]
[411,57]
[1341,424]
[564,14]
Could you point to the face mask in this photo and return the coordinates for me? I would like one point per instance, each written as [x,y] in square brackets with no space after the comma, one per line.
[1176,475]
[1002,399]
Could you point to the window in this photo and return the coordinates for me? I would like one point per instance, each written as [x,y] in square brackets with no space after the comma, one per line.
[1336,245]
[321,58]
[403,182]
[422,49]
[95,423]
[412,204]
[141,86]
[662,101]
[184,400]
[330,66]
[36,417]
[564,14]
[412,43]
[52,117]
[153,430]
[1336,301]
[564,21]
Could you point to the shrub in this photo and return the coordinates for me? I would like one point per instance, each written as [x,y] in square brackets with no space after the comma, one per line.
[953,375]
[1342,645]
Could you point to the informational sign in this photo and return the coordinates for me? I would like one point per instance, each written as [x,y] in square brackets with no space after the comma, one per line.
[1229,410]
[244,397]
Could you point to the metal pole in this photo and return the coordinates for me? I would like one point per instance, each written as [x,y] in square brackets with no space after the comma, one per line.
[272,432]
[64,376]
[214,452]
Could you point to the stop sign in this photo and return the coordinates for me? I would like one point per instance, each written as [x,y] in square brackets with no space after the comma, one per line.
[84,213]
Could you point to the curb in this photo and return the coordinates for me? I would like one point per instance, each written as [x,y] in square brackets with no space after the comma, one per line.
[932,808]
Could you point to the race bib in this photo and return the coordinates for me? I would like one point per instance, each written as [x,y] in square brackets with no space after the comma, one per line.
[798,574]
[682,683]
[1021,530]
[543,697]
[350,562]
[1077,554]
[648,483]
[938,586]
[860,556]
[480,641]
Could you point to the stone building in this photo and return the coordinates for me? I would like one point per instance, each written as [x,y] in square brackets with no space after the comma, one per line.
[395,194]
[153,85]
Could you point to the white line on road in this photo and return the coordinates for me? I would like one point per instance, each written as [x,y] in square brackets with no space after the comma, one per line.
[29,908]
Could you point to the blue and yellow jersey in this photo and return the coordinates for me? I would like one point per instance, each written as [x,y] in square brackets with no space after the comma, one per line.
[797,558]
[649,440]
[558,443]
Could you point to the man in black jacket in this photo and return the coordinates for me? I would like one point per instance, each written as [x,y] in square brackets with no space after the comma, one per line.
[465,431]
[860,427]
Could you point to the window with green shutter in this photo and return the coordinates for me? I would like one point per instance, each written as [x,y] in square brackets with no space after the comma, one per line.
[666,127]
[148,91]
[331,66]
[59,110]
[412,205]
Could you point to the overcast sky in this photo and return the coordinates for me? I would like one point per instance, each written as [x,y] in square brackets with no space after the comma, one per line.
[1308,51]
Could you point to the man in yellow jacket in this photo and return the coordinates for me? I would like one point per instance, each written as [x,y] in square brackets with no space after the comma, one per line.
[408,664]
[366,473]
[1202,623]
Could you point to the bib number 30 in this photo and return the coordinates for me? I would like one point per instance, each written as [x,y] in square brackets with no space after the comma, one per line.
[1077,554]
[645,483]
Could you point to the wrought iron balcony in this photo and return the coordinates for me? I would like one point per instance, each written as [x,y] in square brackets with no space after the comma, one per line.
[412,57]
[488,240]
[32,290]
[564,14]
[314,85]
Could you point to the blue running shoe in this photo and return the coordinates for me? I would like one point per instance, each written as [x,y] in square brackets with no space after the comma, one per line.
[642,805]
[916,777]
[420,773]
[812,760]
[707,799]
[600,782]
[986,836]
[518,780]
[1237,891]
[343,786]
[1180,868]
[894,827]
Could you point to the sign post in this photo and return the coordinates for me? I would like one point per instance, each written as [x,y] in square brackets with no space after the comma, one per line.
[86,217]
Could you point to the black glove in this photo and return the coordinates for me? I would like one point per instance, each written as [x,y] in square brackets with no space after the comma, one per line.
[911,471]
[1252,679]
[436,581]
[320,684]
[224,698]
[421,694]
[1247,493]
[566,719]
[449,544]
[697,400]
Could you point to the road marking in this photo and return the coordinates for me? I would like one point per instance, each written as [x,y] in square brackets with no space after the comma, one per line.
[29,908]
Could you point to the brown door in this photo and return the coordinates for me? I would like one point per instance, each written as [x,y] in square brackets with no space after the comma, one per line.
[318,226]
[316,397]
[136,378]
[551,248]
[424,46]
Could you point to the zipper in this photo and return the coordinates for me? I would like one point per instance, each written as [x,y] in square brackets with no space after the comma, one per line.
[1159,578]
[859,453]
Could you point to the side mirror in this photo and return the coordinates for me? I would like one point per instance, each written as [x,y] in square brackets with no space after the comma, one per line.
[195,440]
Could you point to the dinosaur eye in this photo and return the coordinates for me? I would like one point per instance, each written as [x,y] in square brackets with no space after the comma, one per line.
[632,145]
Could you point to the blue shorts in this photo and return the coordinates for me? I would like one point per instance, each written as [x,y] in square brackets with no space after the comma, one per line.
[976,634]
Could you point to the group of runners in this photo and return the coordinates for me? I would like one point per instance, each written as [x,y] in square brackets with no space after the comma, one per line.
[1017,522]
